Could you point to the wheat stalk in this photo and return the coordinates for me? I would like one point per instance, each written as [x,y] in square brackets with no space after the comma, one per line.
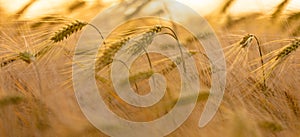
[238,49]
[226,6]
[245,43]
[279,57]
[146,40]
[106,55]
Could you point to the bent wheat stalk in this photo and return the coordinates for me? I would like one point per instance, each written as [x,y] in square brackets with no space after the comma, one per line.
[277,57]
[245,42]
[240,51]
[140,43]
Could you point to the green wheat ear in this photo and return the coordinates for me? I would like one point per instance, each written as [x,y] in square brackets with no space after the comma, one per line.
[68,31]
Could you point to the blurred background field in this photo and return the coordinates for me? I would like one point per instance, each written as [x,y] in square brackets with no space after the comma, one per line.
[262,91]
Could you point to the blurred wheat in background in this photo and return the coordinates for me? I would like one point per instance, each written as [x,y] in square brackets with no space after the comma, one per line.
[262,96]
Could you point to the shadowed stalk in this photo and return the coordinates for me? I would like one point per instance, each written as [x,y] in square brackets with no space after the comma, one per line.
[226,6]
[76,5]
[280,8]
[296,31]
[293,17]
[23,10]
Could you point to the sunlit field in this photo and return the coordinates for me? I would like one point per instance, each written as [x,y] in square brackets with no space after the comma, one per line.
[259,38]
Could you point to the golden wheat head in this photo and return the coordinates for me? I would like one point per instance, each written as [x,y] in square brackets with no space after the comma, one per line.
[289,49]
[67,31]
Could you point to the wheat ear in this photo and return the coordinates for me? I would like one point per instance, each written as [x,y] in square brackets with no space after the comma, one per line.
[67,31]
[106,56]
[6,62]
[288,50]
[146,40]
[281,56]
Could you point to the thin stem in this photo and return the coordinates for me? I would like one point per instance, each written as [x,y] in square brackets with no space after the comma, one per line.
[261,61]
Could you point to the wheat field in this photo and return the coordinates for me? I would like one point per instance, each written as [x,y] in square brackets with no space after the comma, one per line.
[261,97]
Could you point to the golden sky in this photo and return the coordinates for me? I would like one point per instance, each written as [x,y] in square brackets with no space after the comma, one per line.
[201,6]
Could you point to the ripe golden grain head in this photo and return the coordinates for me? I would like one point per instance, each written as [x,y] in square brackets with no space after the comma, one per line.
[67,31]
